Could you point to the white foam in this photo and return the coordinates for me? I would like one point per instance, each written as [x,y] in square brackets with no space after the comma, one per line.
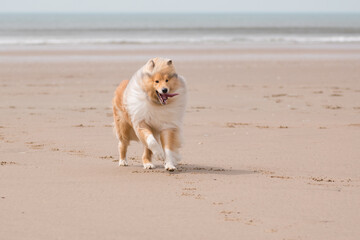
[208,39]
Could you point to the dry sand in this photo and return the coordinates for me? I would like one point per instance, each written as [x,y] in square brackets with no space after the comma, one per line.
[272,146]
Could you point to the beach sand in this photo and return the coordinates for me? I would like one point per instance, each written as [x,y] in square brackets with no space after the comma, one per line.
[271,151]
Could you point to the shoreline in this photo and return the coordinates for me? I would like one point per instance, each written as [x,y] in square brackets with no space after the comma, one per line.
[182,52]
[254,45]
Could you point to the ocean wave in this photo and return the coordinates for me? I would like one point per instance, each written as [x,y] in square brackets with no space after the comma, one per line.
[181,29]
[301,39]
[184,40]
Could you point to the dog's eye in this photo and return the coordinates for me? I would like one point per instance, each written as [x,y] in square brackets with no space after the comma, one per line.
[157,81]
[167,80]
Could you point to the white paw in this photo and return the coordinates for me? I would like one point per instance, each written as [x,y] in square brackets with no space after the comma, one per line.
[123,162]
[149,166]
[169,166]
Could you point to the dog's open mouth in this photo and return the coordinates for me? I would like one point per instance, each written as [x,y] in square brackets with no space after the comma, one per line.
[163,97]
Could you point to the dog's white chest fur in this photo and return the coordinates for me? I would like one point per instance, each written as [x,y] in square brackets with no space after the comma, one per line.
[159,117]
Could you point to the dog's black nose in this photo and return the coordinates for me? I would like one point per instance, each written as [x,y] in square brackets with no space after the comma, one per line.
[164,90]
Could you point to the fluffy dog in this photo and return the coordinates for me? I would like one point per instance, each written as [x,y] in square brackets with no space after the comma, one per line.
[150,108]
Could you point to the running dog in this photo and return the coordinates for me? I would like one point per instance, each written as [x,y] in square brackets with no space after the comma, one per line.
[150,108]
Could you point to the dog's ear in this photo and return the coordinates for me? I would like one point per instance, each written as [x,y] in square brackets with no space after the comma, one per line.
[150,65]
[169,62]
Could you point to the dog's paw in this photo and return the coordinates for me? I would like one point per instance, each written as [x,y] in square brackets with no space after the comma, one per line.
[149,166]
[169,166]
[123,162]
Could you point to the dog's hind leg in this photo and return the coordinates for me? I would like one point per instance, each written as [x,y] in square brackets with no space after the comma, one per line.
[121,129]
[123,145]
[121,134]
[121,126]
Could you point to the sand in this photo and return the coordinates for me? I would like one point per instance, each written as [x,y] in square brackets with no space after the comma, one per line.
[272,138]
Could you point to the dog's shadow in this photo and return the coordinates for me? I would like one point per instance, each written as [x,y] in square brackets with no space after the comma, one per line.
[184,168]
[201,169]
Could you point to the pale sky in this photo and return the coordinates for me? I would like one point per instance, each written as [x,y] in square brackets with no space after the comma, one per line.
[189,6]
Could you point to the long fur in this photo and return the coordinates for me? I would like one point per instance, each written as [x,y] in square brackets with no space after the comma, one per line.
[135,104]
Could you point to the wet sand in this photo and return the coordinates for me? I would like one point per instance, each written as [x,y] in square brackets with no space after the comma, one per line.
[271,150]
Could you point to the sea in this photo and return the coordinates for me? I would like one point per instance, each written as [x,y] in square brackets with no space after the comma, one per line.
[142,29]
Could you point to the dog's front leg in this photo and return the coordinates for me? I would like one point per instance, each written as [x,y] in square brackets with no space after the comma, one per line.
[170,140]
[146,136]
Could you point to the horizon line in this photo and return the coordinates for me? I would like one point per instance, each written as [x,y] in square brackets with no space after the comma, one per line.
[180,12]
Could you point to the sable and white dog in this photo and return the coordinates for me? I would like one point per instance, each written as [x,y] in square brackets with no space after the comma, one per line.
[150,108]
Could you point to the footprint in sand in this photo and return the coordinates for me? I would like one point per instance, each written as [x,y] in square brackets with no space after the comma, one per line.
[76,152]
[280,177]
[82,125]
[264,126]
[234,216]
[34,145]
[279,95]
[320,179]
[108,157]
[191,192]
[332,107]
[3,163]
[236,124]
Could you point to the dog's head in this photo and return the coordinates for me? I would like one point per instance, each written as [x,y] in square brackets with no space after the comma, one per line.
[160,80]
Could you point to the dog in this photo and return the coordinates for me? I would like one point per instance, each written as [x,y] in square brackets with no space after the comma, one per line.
[150,108]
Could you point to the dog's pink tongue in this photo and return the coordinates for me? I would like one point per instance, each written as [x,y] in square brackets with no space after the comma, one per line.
[170,94]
